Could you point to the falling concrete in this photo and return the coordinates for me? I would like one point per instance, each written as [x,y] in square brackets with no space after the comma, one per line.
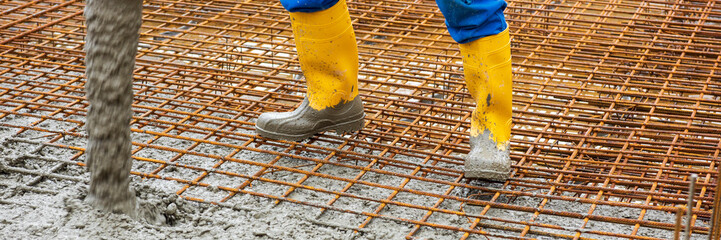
[110,47]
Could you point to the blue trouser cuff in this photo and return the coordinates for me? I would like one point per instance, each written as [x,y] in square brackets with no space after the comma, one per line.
[468,20]
[307,5]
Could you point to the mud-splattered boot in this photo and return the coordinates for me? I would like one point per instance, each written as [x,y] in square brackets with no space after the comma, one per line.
[487,70]
[304,121]
[328,56]
[486,160]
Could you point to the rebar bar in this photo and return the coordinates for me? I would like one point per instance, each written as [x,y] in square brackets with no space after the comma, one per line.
[689,206]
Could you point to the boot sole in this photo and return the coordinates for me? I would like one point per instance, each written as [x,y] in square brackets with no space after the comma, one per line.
[340,128]
[493,176]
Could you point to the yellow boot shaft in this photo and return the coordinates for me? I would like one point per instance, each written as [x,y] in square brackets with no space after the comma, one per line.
[487,70]
[328,55]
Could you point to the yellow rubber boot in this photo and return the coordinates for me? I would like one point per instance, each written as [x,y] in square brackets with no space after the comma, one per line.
[328,56]
[487,70]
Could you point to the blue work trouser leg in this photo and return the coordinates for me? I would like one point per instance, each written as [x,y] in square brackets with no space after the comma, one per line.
[468,20]
[307,5]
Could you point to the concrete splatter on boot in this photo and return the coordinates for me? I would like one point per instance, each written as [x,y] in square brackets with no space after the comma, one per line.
[486,160]
[304,121]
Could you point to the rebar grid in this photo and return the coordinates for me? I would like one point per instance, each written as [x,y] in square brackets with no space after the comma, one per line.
[615,106]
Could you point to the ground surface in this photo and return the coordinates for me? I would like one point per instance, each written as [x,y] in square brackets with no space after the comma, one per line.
[55,208]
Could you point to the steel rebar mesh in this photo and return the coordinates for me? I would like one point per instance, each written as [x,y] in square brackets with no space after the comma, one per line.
[615,105]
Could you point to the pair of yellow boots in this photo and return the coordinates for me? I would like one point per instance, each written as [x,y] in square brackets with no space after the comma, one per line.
[328,55]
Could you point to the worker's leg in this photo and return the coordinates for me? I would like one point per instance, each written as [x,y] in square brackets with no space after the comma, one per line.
[481,30]
[328,57]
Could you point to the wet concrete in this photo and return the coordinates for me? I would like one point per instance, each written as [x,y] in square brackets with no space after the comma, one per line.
[111,46]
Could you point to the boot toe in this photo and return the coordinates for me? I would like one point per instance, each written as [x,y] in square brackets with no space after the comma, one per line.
[264,120]
[272,121]
[492,167]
